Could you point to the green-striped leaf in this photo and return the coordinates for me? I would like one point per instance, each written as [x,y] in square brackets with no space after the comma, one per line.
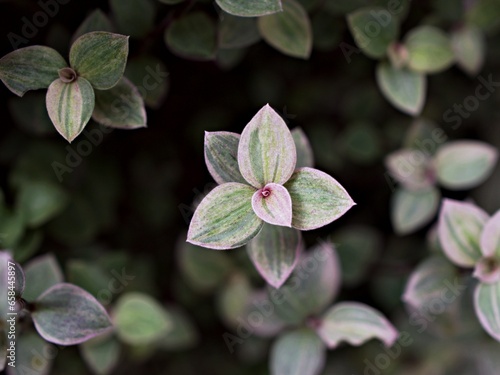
[305,155]
[469,47]
[101,354]
[317,199]
[245,8]
[273,204]
[95,21]
[129,20]
[411,210]
[289,31]
[299,352]
[266,152]
[411,168]
[373,29]
[221,156]
[429,50]
[459,229]
[120,107]
[225,218]
[486,304]
[41,273]
[30,68]
[70,106]
[100,57]
[404,89]
[490,237]
[237,32]
[275,252]
[464,164]
[355,323]
[68,315]
[193,36]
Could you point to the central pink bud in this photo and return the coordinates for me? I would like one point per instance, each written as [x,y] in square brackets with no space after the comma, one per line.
[265,192]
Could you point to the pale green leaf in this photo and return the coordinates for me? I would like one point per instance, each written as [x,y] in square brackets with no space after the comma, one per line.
[30,68]
[133,17]
[245,8]
[373,29]
[355,323]
[404,89]
[237,32]
[305,155]
[68,315]
[299,352]
[101,354]
[140,319]
[459,229]
[289,31]
[70,106]
[317,199]
[490,237]
[429,50]
[41,273]
[464,164]
[469,47]
[487,306]
[193,36]
[273,204]
[266,152]
[120,107]
[221,156]
[100,57]
[225,218]
[411,210]
[232,300]
[95,21]
[275,252]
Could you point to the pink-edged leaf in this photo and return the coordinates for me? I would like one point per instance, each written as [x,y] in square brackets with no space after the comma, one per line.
[68,315]
[459,229]
[266,152]
[317,199]
[411,168]
[275,252]
[273,204]
[221,156]
[487,306]
[259,303]
[355,323]
[225,218]
[490,238]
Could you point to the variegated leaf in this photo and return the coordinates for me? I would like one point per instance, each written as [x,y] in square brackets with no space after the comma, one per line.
[464,164]
[355,323]
[490,237]
[469,45]
[487,306]
[120,107]
[411,168]
[459,229]
[305,156]
[30,68]
[100,57]
[266,152]
[70,106]
[273,204]
[225,218]
[299,352]
[317,199]
[245,8]
[221,156]
[275,252]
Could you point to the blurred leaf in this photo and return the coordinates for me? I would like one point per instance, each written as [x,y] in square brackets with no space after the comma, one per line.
[326,32]
[273,204]
[305,155]
[233,299]
[30,68]
[67,315]
[470,49]
[100,57]
[275,252]
[221,157]
[30,358]
[237,32]
[288,31]
[193,36]
[140,320]
[259,304]
[244,8]
[486,301]
[464,164]
[299,352]
[459,229]
[404,89]
[70,106]
[129,20]
[101,354]
[41,273]
[412,168]
[88,276]
[490,237]
[361,143]
[485,14]
[373,29]
[183,334]
[95,21]
[30,113]
[429,50]
[355,323]
[411,210]
[11,228]
[28,246]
